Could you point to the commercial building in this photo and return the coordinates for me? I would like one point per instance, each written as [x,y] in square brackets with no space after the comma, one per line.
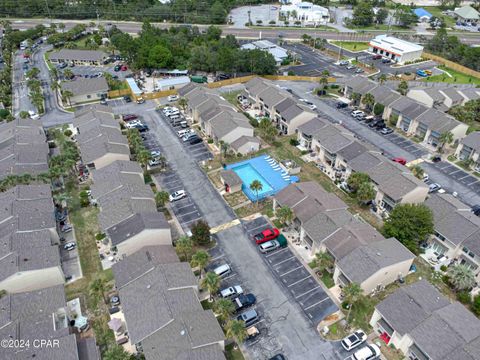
[466,13]
[78,57]
[422,14]
[306,12]
[398,50]
[279,53]
[85,90]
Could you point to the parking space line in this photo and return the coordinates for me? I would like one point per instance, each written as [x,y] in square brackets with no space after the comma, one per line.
[306,292]
[189,221]
[192,212]
[278,252]
[182,207]
[319,302]
[296,282]
[216,258]
[255,228]
[288,272]
[283,261]
[229,277]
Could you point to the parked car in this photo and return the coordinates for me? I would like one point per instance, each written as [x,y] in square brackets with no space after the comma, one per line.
[113,310]
[386,61]
[249,317]
[124,68]
[376,57]
[400,160]
[343,63]
[195,140]
[177,195]
[129,117]
[69,246]
[244,301]
[66,228]
[182,133]
[266,235]
[172,98]
[352,341]
[351,67]
[140,100]
[231,292]
[155,153]
[223,270]
[268,246]
[117,68]
[312,107]
[127,98]
[155,161]
[357,113]
[341,105]
[386,131]
[436,158]
[369,352]
[278,357]
[189,136]
[115,300]
[358,71]
[62,65]
[476,210]
[434,187]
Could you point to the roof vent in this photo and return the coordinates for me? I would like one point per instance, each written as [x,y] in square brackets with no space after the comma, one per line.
[149,286]
[379,254]
[182,332]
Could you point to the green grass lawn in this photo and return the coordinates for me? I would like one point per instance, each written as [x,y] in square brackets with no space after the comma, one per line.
[380,27]
[327,279]
[233,354]
[352,45]
[455,78]
[437,12]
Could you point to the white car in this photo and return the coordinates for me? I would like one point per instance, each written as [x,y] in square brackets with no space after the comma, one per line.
[352,341]
[70,246]
[168,108]
[369,352]
[155,153]
[231,292]
[434,187]
[177,195]
[312,107]
[155,162]
[182,133]
[303,100]
[133,124]
[172,98]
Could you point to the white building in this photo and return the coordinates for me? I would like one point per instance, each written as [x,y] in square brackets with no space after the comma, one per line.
[398,50]
[306,12]
[277,52]
[172,83]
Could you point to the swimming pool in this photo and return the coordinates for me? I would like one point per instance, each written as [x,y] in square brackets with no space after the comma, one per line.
[264,169]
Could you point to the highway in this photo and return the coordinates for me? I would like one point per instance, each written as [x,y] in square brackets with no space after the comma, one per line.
[252,33]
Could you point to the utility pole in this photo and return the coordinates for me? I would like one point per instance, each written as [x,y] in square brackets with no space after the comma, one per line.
[48,11]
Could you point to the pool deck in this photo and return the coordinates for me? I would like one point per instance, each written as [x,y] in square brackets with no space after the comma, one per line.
[271,172]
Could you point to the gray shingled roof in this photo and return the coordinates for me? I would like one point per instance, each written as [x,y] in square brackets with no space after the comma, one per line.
[408,107]
[83,86]
[322,225]
[360,84]
[407,307]
[142,261]
[242,140]
[437,121]
[79,55]
[312,126]
[352,150]
[472,140]
[191,336]
[365,261]
[184,90]
[384,95]
[333,139]
[99,147]
[88,349]
[152,301]
[135,224]
[230,177]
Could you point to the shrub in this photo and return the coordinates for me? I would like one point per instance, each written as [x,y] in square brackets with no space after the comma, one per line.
[291,73]
[210,141]
[378,109]
[200,233]
[476,305]
[4,113]
[148,178]
[259,22]
[334,86]
[298,22]
[272,22]
[304,152]
[446,280]
[408,73]
[294,142]
[68,133]
[443,268]
[100,236]
[464,297]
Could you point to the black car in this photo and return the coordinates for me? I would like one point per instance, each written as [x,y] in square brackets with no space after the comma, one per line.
[127,98]
[244,301]
[386,61]
[195,140]
[341,105]
[278,357]
[114,309]
[436,159]
[476,209]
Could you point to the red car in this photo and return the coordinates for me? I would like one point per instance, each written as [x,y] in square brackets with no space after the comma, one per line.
[400,160]
[376,57]
[266,235]
[124,68]
[129,117]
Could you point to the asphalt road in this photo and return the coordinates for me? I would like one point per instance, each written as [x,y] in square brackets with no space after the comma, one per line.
[294,34]
[20,89]
[393,145]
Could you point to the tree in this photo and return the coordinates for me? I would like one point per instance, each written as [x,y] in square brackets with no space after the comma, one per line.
[410,224]
[184,247]
[382,78]
[224,146]
[201,258]
[352,293]
[66,96]
[98,287]
[405,16]
[403,87]
[381,16]
[365,192]
[159,56]
[363,14]
[217,13]
[256,186]
[356,98]
[200,233]
[323,261]
[161,198]
[211,282]
[445,138]
[61,26]
[224,308]
[368,100]
[116,352]
[23,114]
[68,74]
[285,214]
[356,179]
[235,329]
[183,103]
[462,277]
[143,157]
[417,171]
[267,129]
[378,109]
[476,305]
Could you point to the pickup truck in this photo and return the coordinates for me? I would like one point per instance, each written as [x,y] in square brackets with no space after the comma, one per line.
[244,301]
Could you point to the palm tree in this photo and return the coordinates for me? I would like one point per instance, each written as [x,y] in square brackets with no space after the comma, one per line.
[462,277]
[66,96]
[352,294]
[37,101]
[23,114]
[55,86]
[161,197]
[211,282]
[445,138]
[235,329]
[68,73]
[368,100]
[382,78]
[323,261]
[224,146]
[256,186]
[356,97]
[98,287]
[285,214]
[61,26]
[184,246]
[70,45]
[224,308]
[403,87]
[143,157]
[201,258]
[417,171]
[183,103]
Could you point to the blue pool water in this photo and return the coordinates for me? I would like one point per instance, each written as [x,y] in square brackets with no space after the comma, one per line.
[265,170]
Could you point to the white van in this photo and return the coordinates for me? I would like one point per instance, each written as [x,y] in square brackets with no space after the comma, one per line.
[183,124]
[174,117]
[223,270]
[357,113]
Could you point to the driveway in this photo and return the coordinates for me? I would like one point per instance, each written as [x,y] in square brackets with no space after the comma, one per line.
[288,329]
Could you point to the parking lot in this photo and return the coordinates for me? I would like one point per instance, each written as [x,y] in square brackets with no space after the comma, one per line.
[459,175]
[306,290]
[198,151]
[80,70]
